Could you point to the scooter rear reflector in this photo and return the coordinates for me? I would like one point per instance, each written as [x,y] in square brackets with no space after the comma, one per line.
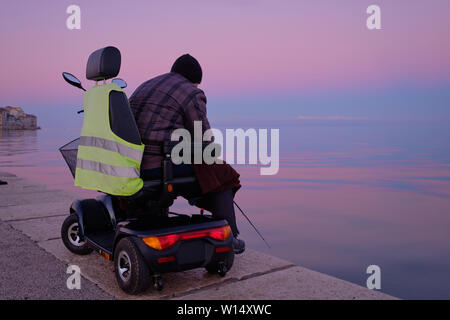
[166,241]
[166,259]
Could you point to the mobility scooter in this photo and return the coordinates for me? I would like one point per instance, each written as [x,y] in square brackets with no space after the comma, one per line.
[139,232]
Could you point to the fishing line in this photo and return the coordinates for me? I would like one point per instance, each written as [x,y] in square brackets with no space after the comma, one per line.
[248,219]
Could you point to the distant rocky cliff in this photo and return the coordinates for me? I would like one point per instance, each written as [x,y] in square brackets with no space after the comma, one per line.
[13,118]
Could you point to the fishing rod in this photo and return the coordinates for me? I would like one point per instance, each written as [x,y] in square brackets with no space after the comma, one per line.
[248,219]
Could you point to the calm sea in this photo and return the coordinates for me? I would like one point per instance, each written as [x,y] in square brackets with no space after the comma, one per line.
[348,194]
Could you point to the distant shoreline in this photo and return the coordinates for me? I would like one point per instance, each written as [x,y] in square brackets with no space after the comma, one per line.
[14,118]
[20,129]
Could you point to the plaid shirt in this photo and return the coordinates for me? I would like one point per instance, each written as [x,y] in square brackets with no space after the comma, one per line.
[163,104]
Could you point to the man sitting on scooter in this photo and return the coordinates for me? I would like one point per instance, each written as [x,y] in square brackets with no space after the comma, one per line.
[172,101]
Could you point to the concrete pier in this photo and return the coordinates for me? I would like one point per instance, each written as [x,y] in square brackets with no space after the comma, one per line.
[38,213]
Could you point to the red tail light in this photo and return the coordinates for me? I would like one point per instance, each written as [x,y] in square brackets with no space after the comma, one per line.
[167,241]
[221,234]
[162,242]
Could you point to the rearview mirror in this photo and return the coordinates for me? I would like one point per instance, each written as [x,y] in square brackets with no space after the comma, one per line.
[71,79]
[120,82]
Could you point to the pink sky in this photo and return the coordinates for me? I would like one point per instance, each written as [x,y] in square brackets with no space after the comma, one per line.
[244,46]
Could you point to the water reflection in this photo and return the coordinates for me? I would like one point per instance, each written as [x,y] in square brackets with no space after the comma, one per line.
[35,155]
[333,211]
[13,142]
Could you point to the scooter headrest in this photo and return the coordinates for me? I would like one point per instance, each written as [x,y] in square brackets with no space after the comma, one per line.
[103,64]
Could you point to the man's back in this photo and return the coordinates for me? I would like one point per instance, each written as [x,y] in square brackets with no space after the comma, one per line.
[172,101]
[164,104]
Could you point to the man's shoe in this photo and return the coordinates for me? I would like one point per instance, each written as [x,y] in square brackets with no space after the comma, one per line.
[238,246]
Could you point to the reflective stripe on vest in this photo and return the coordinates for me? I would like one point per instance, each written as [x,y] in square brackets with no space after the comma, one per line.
[111,146]
[116,171]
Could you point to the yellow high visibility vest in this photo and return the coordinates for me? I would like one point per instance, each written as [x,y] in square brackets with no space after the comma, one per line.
[106,162]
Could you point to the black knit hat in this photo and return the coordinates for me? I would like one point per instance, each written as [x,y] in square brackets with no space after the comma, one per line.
[188,66]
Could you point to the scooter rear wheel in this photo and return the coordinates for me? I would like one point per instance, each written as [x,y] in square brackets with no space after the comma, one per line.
[70,236]
[221,267]
[132,273]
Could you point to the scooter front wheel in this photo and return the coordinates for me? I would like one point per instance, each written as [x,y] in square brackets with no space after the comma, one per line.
[70,236]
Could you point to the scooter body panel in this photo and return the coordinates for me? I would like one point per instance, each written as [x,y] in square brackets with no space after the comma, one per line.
[96,224]
[185,254]
[99,226]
